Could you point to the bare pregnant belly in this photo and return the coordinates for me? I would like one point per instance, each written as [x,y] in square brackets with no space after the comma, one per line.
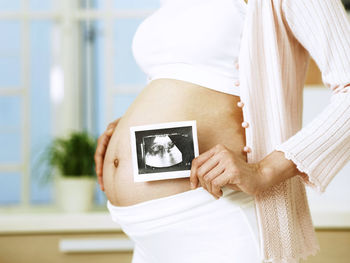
[218,120]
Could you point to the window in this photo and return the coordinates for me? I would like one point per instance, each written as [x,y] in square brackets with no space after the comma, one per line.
[65,64]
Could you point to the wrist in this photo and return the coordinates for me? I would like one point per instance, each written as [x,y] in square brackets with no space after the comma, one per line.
[267,173]
[275,168]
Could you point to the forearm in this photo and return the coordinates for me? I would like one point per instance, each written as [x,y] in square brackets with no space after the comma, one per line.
[276,168]
[321,148]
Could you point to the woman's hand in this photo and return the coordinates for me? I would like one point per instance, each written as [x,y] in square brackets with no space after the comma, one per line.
[101,148]
[220,167]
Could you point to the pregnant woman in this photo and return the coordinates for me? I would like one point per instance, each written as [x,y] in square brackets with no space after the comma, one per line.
[208,61]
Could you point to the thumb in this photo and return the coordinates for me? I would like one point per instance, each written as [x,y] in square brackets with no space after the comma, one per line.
[234,187]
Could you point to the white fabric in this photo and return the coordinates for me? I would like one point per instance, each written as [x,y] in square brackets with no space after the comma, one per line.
[192,227]
[278,39]
[196,41]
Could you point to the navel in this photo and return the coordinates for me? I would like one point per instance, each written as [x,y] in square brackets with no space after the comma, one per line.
[116,162]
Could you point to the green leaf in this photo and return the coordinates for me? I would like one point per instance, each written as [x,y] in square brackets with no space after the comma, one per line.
[72,156]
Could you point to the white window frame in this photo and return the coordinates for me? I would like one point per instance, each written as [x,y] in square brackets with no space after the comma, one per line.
[66,114]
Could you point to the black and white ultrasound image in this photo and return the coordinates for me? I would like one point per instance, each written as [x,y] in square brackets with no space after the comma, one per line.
[163,150]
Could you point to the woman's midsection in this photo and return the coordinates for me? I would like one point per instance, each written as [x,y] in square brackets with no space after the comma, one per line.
[218,120]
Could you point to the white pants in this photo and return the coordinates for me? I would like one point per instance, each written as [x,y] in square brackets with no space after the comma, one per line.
[192,227]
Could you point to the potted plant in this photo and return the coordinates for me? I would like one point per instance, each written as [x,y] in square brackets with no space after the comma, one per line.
[72,165]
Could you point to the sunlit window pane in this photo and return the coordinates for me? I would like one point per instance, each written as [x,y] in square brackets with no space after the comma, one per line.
[41,193]
[10,125]
[9,5]
[40,50]
[10,188]
[121,104]
[100,197]
[10,112]
[126,70]
[10,71]
[46,69]
[40,5]
[100,83]
[10,150]
[136,4]
[99,3]
[10,66]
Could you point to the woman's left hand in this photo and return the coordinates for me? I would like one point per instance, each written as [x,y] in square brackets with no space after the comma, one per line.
[219,167]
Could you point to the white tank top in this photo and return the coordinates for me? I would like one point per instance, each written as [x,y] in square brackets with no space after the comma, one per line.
[192,40]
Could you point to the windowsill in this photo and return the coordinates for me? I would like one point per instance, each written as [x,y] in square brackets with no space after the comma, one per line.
[331,218]
[57,222]
[49,219]
[100,221]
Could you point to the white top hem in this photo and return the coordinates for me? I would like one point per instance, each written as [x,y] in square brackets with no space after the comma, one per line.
[196,75]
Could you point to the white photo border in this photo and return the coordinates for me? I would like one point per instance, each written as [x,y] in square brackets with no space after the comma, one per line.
[162,175]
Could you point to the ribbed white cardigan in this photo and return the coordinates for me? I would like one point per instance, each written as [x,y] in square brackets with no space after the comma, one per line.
[277,40]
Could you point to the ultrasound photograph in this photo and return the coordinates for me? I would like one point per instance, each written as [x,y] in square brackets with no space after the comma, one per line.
[163,150]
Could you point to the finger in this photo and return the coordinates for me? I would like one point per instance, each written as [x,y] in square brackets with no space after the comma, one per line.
[202,183]
[117,120]
[101,147]
[100,182]
[209,177]
[193,176]
[109,132]
[206,167]
[113,124]
[197,162]
[98,169]
[200,159]
[100,153]
[218,182]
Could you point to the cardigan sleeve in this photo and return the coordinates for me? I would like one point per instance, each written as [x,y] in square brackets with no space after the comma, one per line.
[322,147]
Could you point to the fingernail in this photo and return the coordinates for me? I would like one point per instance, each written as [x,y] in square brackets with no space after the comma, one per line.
[192,185]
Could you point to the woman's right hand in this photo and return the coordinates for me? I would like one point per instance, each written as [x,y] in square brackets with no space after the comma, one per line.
[101,148]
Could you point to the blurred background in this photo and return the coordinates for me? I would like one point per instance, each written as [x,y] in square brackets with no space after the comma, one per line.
[67,65]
